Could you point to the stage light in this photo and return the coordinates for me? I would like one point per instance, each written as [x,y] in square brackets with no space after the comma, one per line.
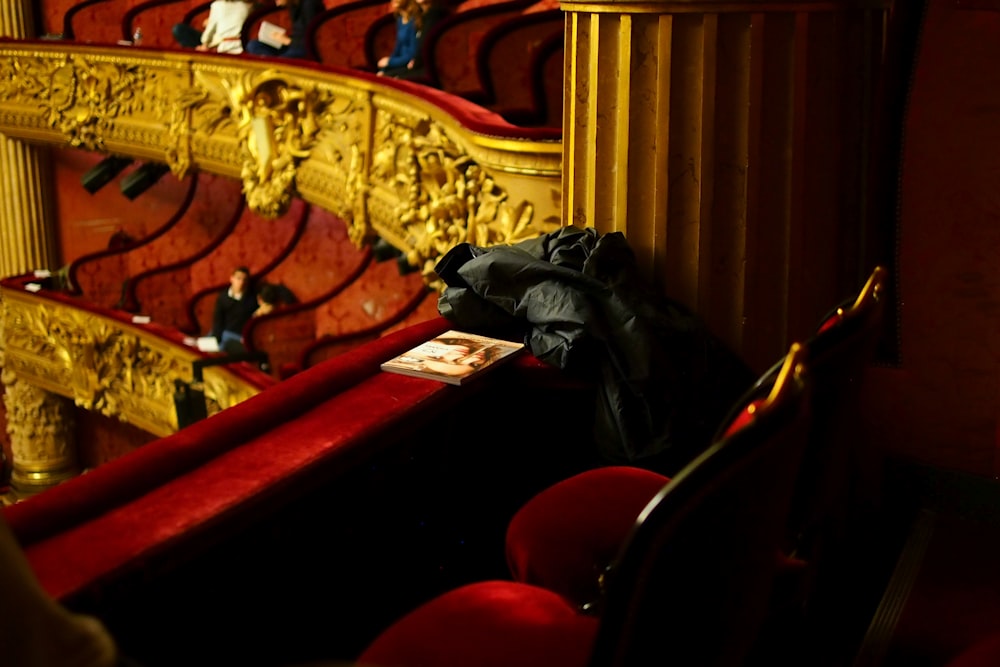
[98,176]
[142,179]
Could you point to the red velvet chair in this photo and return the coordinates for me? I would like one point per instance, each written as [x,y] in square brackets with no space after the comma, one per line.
[563,537]
[689,587]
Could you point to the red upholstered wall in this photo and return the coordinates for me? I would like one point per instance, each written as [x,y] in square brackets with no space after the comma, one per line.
[941,406]
[87,221]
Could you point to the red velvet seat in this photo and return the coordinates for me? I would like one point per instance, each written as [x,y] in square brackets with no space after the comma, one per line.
[563,537]
[689,587]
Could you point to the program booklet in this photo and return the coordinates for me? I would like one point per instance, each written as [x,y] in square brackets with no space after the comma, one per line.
[207,343]
[454,357]
[271,34]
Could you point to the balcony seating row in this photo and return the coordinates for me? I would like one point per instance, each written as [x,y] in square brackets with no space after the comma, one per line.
[173,275]
[520,63]
[491,52]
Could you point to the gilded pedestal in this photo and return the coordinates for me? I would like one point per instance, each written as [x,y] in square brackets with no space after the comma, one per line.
[41,428]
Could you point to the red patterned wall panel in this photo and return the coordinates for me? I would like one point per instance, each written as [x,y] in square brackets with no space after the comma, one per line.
[338,38]
[52,12]
[255,242]
[157,18]
[101,22]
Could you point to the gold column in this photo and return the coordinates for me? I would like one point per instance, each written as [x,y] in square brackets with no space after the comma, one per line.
[727,141]
[41,429]
[39,423]
[26,229]
[26,233]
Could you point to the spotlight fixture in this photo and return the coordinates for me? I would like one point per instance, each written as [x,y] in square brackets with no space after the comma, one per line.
[142,179]
[99,175]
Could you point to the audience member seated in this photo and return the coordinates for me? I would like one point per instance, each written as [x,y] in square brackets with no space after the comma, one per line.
[431,13]
[428,14]
[233,309]
[302,12]
[404,53]
[222,31]
[271,296]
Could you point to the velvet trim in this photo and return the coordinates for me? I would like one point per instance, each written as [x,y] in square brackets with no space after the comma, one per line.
[487,624]
[278,464]
[120,481]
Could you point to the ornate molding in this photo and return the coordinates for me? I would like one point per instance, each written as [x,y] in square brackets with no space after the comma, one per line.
[104,364]
[387,161]
[433,195]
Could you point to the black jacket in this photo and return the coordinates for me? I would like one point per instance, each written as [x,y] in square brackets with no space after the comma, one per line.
[232,314]
[664,381]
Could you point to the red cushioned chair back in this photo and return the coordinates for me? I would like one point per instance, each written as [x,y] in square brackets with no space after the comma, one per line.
[692,583]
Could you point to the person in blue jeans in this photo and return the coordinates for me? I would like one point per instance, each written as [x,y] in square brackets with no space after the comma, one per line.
[233,309]
[302,12]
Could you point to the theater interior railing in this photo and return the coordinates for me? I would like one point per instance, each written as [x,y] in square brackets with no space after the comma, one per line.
[417,167]
[414,166]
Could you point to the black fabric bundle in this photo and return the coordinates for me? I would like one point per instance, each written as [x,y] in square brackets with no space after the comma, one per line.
[664,381]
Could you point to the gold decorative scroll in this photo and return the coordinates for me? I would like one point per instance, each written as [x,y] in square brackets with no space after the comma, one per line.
[434,195]
[104,364]
[388,162]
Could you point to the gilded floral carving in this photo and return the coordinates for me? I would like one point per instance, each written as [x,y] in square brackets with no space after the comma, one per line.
[103,365]
[383,160]
[445,196]
[279,125]
[79,97]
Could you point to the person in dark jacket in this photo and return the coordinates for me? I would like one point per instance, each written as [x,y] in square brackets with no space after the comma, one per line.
[302,12]
[233,309]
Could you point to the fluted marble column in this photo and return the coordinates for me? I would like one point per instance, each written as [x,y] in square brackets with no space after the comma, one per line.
[39,423]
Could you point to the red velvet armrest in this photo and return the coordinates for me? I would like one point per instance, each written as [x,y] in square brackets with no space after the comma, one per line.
[120,481]
[273,465]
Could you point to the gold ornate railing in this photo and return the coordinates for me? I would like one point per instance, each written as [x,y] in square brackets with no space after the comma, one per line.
[392,159]
[122,370]
[387,158]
